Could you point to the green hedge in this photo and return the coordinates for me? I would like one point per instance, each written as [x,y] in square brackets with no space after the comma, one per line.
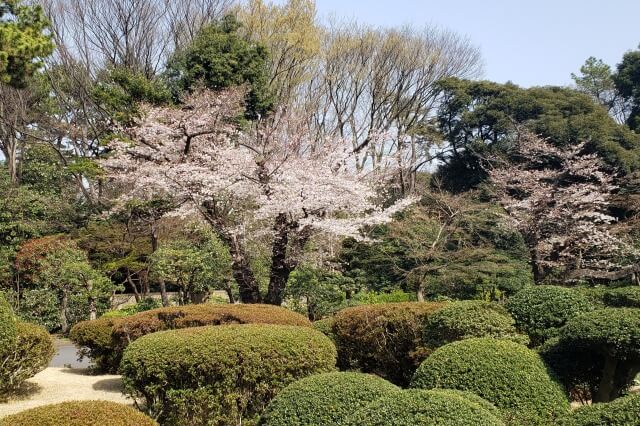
[105,339]
[8,330]
[623,297]
[508,374]
[325,326]
[221,374]
[467,319]
[324,399]
[417,407]
[540,311]
[623,411]
[384,339]
[30,353]
[79,413]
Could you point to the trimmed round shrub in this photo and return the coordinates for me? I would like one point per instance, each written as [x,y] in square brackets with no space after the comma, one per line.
[623,297]
[8,330]
[325,326]
[416,407]
[324,399]
[384,339]
[623,411]
[221,375]
[505,373]
[79,413]
[612,337]
[30,353]
[540,311]
[467,319]
[93,339]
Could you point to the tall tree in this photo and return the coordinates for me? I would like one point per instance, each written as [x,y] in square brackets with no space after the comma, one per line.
[627,82]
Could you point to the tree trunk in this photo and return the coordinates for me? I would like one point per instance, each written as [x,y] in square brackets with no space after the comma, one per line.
[228,289]
[606,390]
[536,267]
[134,287]
[64,308]
[163,293]
[280,269]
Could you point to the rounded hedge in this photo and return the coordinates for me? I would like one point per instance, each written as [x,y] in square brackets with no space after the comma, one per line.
[416,407]
[623,297]
[470,318]
[325,326]
[508,374]
[31,353]
[623,411]
[221,374]
[93,339]
[324,399]
[8,330]
[79,413]
[384,339]
[540,311]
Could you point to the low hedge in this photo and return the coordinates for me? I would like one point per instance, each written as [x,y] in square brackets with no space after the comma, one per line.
[8,330]
[508,374]
[415,407]
[79,413]
[28,355]
[221,375]
[623,297]
[623,411]
[540,311]
[384,339]
[470,318]
[325,326]
[104,339]
[324,399]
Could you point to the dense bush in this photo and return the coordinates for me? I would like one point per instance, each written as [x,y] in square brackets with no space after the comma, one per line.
[324,399]
[508,374]
[40,306]
[611,337]
[325,326]
[470,318]
[28,355]
[416,407]
[382,339]
[93,338]
[623,297]
[540,311]
[8,330]
[106,338]
[222,374]
[79,413]
[623,411]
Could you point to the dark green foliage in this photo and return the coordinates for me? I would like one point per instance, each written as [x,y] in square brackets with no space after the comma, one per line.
[540,311]
[508,374]
[478,119]
[384,339]
[623,411]
[221,374]
[325,326]
[471,318]
[8,330]
[324,399]
[627,82]
[79,413]
[28,355]
[316,292]
[416,407]
[93,339]
[623,297]
[220,57]
[612,336]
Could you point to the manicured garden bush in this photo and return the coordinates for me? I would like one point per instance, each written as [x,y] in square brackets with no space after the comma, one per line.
[28,355]
[79,413]
[623,297]
[324,399]
[623,411]
[470,318]
[415,407]
[508,374]
[221,374]
[8,330]
[383,339]
[611,336]
[94,340]
[540,311]
[325,326]
[105,346]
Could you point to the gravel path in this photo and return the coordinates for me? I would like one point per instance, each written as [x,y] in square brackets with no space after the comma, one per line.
[56,384]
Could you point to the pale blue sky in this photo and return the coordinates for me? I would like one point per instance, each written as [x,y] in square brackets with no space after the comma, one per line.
[534,42]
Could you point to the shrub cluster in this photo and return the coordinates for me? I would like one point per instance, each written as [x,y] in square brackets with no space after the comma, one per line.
[623,297]
[383,339]
[540,311]
[508,374]
[470,318]
[8,330]
[105,339]
[324,399]
[79,413]
[623,411]
[221,375]
[415,407]
[28,355]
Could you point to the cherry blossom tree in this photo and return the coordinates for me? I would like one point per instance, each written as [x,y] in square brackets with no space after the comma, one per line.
[559,199]
[244,178]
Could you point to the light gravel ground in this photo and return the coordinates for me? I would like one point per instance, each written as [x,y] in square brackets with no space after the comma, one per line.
[56,384]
